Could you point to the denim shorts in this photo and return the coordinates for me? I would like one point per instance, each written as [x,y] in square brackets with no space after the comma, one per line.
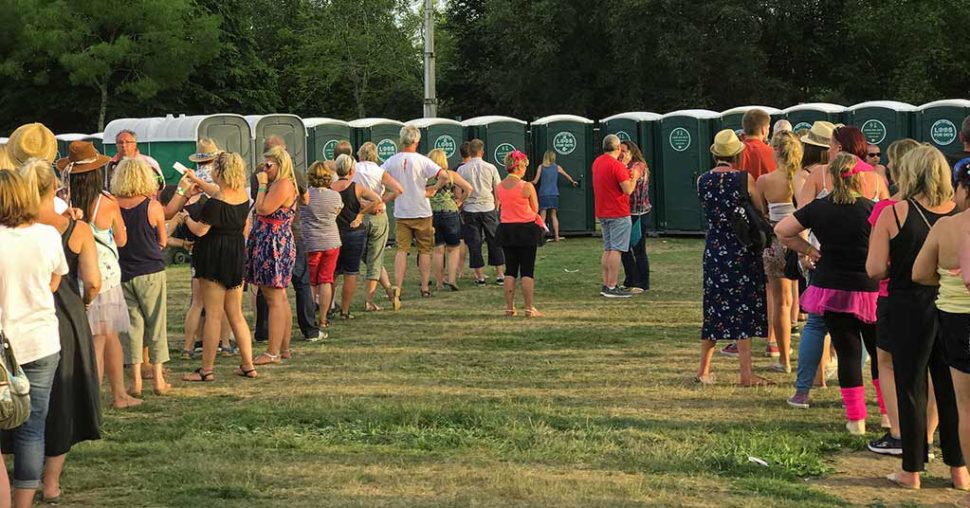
[351,251]
[616,233]
[447,229]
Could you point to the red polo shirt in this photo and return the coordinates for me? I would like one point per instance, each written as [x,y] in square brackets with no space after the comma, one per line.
[757,158]
[609,199]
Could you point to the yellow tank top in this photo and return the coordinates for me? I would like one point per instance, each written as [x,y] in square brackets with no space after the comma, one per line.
[953,297]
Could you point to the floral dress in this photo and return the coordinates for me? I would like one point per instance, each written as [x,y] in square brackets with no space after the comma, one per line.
[270,250]
[734,277]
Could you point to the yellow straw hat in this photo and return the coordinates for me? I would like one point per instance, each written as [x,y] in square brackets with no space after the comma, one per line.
[727,144]
[31,140]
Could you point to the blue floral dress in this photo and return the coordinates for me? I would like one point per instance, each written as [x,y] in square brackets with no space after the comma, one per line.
[734,277]
[270,251]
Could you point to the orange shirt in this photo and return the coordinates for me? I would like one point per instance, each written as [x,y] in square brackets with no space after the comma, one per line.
[757,158]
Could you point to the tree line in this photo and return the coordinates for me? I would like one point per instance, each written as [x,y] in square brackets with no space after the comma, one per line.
[77,64]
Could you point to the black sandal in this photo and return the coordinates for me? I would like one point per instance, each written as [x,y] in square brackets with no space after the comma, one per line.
[250,374]
[425,294]
[346,316]
[204,377]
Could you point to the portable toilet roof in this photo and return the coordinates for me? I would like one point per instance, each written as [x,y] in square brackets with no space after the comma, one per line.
[744,109]
[363,123]
[895,105]
[144,128]
[487,119]
[561,118]
[704,114]
[72,137]
[820,106]
[957,103]
[182,128]
[643,116]
[427,122]
[97,135]
[319,120]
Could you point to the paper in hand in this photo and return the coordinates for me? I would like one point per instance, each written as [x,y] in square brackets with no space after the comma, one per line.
[179,167]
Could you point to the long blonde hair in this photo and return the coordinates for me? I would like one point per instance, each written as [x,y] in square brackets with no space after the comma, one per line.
[548,158]
[231,170]
[19,204]
[924,171]
[38,175]
[895,152]
[281,157]
[845,184]
[133,177]
[788,152]
[438,157]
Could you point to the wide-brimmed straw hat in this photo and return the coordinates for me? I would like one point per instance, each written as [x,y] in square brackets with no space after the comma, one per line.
[206,150]
[31,140]
[82,157]
[727,144]
[820,134]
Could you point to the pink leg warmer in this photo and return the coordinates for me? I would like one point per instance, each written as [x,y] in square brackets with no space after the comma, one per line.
[855,403]
[882,404]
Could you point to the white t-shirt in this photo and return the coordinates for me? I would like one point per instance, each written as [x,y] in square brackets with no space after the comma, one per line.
[30,255]
[370,175]
[412,170]
[483,178]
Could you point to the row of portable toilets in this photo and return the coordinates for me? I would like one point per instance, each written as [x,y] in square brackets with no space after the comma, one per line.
[675,144]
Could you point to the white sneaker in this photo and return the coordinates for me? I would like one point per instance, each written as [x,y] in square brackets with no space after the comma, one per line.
[321,335]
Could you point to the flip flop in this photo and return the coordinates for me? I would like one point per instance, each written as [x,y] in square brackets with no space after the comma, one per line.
[249,374]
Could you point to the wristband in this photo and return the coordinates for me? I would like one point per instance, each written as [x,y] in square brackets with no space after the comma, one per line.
[180,191]
[261,188]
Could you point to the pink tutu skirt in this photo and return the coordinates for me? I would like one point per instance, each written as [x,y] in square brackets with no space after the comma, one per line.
[861,304]
[109,312]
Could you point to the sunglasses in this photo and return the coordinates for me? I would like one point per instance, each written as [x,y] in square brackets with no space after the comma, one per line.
[874,154]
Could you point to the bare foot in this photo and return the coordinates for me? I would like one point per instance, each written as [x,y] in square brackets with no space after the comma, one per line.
[127,402]
[162,388]
[960,478]
[755,381]
[905,479]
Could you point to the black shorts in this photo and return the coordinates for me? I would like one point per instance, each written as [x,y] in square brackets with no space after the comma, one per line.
[955,332]
[883,340]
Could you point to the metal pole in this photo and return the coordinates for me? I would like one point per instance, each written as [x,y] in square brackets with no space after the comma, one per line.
[430,95]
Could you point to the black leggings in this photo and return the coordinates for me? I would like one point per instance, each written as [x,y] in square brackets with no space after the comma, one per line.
[520,261]
[846,331]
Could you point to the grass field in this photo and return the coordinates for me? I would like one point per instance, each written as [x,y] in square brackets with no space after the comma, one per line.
[449,403]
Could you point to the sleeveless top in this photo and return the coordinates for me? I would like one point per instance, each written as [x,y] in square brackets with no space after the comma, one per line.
[515,206]
[107,250]
[71,278]
[905,246]
[953,296]
[141,255]
[318,219]
[549,180]
[350,210]
[778,211]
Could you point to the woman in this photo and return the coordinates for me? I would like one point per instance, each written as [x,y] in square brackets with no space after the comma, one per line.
[519,232]
[447,222]
[777,192]
[844,139]
[74,413]
[32,267]
[218,264]
[357,201]
[270,250]
[318,218]
[547,179]
[938,263]
[734,278]
[840,290]
[108,313]
[888,444]
[369,174]
[925,194]
[636,265]
[143,271]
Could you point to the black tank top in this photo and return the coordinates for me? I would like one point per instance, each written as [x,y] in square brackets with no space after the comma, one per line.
[906,245]
[141,255]
[350,210]
[70,280]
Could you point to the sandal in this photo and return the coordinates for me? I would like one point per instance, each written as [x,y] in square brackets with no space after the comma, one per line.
[266,359]
[533,312]
[511,312]
[286,354]
[426,293]
[451,286]
[704,381]
[201,376]
[346,317]
[371,307]
[187,354]
[899,483]
[247,373]
[396,298]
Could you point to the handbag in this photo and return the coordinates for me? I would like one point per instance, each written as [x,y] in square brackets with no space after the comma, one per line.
[14,388]
[750,226]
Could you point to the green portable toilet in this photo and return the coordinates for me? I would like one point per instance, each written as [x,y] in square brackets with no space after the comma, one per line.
[501,135]
[289,127]
[803,116]
[685,138]
[175,139]
[731,118]
[98,139]
[882,122]
[939,124]
[382,132]
[443,134]
[64,141]
[642,128]
[571,137]
[322,136]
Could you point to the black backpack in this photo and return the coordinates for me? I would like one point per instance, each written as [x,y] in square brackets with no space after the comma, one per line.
[752,229]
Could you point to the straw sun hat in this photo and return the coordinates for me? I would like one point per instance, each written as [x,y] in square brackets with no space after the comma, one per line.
[31,140]
[820,134]
[206,150]
[727,144]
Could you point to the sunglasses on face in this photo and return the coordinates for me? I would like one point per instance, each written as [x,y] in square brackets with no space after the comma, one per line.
[874,154]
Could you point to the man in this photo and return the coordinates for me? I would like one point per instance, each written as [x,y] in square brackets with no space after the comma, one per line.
[873,157]
[612,185]
[127,144]
[958,159]
[757,158]
[343,147]
[412,210]
[306,309]
[369,174]
[479,217]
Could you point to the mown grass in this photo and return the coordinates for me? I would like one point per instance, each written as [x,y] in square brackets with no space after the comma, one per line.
[448,403]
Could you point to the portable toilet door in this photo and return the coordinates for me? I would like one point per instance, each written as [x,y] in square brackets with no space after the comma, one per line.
[642,128]
[64,141]
[501,135]
[440,133]
[571,138]
[175,139]
[882,122]
[803,116]
[731,118]
[939,124]
[289,127]
[685,140]
[383,132]
[322,136]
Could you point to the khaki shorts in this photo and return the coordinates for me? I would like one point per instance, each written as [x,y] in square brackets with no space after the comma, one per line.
[422,230]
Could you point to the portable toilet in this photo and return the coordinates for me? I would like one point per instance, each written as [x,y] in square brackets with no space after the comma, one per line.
[731,118]
[443,134]
[322,136]
[65,140]
[3,141]
[940,122]
[144,129]
[501,135]
[571,138]
[883,122]
[685,138]
[803,116]
[98,139]
[643,129]
[174,139]
[383,132]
